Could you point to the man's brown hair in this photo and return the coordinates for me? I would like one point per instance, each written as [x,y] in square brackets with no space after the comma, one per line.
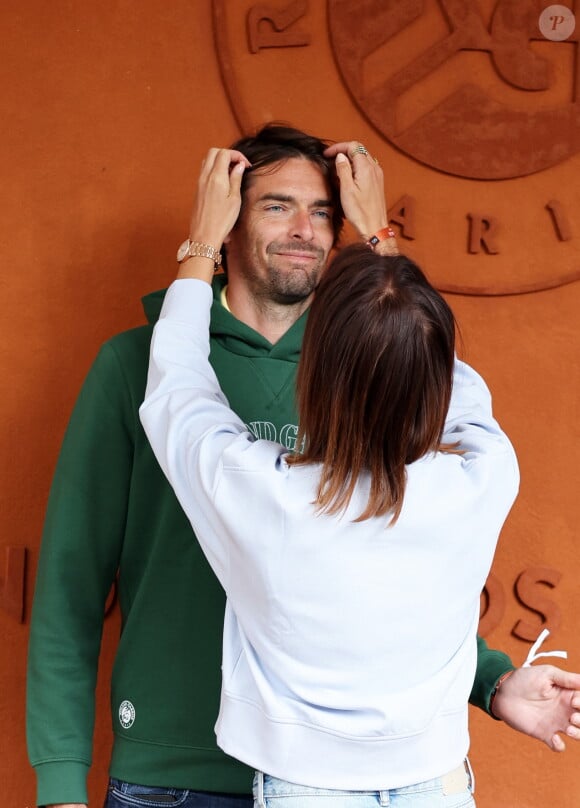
[277,142]
[374,379]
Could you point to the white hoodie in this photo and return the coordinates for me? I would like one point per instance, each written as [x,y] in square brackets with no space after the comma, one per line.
[349,648]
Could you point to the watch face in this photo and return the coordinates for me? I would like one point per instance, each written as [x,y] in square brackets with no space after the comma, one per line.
[183,250]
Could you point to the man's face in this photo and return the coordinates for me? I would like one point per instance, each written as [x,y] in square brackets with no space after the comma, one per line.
[281,241]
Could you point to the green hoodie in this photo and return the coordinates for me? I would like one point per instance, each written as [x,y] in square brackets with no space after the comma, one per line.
[111,513]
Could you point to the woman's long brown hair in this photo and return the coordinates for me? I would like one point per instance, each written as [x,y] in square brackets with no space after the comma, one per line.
[374,379]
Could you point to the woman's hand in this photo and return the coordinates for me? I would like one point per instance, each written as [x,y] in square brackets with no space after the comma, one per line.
[216,209]
[218,201]
[362,191]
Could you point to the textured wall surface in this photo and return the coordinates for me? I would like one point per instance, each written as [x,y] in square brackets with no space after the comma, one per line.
[107,111]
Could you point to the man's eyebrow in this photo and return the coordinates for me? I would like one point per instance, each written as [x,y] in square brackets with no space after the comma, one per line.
[275,197]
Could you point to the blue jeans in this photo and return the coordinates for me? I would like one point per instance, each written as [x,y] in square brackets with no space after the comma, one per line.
[451,791]
[129,795]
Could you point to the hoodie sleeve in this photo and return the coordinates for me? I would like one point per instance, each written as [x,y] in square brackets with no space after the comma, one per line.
[81,543]
[491,664]
[186,417]
[471,424]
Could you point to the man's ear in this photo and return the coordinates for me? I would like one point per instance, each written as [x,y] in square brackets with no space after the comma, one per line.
[228,238]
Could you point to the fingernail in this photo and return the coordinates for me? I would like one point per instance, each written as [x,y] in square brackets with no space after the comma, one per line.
[341,158]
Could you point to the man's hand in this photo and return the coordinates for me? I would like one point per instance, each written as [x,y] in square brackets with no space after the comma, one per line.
[541,701]
[362,191]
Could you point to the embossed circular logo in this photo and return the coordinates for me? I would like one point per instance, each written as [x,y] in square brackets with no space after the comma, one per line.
[486,116]
[126,714]
[472,111]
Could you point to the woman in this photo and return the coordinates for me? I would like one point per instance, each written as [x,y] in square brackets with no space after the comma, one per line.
[353,569]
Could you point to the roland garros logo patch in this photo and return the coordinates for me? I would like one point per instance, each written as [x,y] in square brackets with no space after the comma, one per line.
[126,714]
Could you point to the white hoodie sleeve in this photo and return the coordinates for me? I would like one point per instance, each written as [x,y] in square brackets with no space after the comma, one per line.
[186,416]
[471,424]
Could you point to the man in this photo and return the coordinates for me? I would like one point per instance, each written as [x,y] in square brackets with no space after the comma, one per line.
[111,511]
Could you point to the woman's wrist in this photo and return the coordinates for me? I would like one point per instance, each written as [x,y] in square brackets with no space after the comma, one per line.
[384,241]
[199,267]
[198,259]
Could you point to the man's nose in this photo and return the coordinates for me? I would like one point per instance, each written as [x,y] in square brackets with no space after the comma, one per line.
[301,226]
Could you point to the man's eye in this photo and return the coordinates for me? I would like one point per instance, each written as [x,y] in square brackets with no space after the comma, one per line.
[322,214]
[274,208]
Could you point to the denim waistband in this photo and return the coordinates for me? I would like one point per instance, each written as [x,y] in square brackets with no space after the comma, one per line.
[454,782]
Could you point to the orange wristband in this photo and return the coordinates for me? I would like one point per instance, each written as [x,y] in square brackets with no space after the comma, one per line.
[381,235]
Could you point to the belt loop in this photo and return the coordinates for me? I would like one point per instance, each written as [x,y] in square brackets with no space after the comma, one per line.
[384,798]
[260,795]
[471,774]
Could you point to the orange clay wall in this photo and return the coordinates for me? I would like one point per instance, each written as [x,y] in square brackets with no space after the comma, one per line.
[107,111]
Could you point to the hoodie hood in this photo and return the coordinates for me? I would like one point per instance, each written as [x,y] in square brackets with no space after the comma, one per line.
[233,335]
